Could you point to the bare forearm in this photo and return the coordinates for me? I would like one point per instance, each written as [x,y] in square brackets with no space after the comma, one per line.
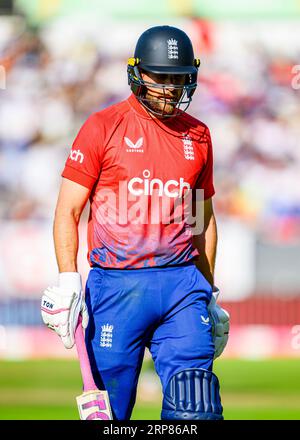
[65,232]
[206,243]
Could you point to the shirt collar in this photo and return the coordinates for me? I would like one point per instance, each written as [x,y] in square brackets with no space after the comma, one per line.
[169,125]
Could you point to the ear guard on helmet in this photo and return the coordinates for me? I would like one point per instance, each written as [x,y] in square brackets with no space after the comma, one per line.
[134,77]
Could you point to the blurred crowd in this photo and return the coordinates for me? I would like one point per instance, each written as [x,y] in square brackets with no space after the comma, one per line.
[56,77]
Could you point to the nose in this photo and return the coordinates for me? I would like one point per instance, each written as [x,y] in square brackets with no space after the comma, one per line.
[172,81]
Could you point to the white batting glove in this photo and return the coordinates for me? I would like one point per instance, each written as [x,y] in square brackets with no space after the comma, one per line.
[219,319]
[61,306]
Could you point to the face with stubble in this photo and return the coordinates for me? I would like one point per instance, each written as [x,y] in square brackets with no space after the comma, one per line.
[160,99]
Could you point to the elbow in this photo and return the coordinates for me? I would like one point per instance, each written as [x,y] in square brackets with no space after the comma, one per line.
[67,213]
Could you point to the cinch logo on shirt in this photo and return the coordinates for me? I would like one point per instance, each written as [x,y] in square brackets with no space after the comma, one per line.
[76,155]
[146,186]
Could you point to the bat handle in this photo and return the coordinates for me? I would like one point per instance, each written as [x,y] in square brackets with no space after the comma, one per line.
[85,367]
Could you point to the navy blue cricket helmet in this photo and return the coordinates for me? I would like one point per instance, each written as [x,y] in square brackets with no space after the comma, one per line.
[164,50]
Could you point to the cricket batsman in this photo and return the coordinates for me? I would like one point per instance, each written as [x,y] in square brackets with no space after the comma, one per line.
[151,282]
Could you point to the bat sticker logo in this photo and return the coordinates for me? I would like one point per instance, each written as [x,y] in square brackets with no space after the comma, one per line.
[101,405]
[94,405]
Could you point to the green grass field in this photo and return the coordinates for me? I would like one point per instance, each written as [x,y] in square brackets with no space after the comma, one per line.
[46,389]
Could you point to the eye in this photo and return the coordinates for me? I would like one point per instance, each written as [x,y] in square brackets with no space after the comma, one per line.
[161,78]
[177,79]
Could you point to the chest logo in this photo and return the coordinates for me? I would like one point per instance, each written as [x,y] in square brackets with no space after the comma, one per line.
[188,149]
[134,148]
[148,186]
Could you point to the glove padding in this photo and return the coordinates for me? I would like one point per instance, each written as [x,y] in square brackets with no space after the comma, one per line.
[219,319]
[61,306]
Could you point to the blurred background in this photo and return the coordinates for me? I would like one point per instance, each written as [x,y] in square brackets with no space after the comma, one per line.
[61,60]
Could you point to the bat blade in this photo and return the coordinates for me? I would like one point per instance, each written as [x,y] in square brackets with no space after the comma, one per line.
[94,405]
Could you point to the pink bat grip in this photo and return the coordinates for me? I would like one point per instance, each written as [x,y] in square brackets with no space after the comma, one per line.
[85,367]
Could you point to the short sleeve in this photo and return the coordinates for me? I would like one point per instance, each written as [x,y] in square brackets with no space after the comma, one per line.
[205,179]
[84,162]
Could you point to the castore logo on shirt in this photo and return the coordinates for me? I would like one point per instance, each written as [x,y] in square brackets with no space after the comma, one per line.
[134,148]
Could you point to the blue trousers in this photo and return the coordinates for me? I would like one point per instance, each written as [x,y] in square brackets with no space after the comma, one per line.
[164,309]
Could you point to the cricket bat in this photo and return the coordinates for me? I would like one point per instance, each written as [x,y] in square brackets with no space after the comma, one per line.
[93,404]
